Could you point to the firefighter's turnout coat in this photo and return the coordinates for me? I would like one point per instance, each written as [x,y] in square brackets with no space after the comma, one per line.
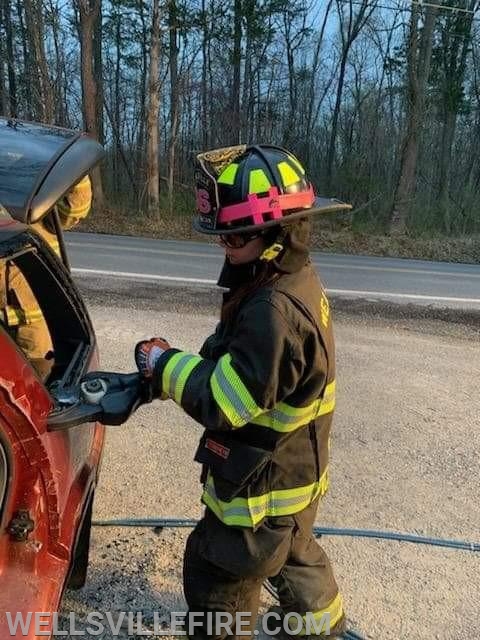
[263,386]
[19,307]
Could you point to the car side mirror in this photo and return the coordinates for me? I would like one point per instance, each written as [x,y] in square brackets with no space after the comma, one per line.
[106,397]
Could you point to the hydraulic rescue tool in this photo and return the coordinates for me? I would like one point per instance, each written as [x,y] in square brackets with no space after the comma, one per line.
[103,396]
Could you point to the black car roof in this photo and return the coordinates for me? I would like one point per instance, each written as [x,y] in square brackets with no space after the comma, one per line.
[38,165]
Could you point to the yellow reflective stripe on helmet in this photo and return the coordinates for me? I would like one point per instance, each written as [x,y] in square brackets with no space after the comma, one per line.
[285,418]
[231,395]
[176,373]
[15,315]
[258,181]
[228,174]
[288,175]
[248,512]
[297,164]
[322,621]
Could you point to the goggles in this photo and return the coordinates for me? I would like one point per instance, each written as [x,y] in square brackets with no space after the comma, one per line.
[238,240]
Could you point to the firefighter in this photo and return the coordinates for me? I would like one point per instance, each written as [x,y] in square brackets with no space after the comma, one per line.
[21,313]
[263,388]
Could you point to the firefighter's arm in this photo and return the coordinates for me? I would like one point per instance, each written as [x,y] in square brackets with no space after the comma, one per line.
[75,205]
[262,367]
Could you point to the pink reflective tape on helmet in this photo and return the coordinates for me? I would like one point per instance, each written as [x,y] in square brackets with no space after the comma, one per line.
[274,204]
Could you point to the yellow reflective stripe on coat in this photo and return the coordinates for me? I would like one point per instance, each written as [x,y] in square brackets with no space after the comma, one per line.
[15,316]
[231,395]
[321,621]
[54,246]
[285,418]
[176,373]
[248,512]
[77,202]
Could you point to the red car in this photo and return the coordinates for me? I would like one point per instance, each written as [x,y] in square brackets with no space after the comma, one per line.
[49,456]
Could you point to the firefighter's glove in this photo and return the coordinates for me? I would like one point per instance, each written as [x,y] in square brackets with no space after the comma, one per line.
[147,354]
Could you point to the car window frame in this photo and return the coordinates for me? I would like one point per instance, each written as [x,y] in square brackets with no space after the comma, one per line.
[43,270]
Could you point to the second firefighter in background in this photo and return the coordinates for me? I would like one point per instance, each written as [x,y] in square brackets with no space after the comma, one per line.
[21,313]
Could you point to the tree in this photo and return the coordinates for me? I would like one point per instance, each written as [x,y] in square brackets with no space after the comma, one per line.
[89,14]
[40,79]
[451,55]
[174,96]
[153,176]
[9,99]
[418,66]
[351,23]
[236,70]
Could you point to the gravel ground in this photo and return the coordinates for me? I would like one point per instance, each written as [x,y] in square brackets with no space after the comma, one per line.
[404,458]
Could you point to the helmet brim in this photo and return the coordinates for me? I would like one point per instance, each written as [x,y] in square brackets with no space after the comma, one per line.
[320,205]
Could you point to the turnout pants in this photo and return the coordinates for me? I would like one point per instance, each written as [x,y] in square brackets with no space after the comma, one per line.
[224,568]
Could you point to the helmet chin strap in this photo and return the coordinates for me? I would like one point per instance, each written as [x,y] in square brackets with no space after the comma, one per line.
[273,250]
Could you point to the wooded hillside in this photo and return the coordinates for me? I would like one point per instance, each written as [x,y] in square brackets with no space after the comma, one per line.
[379,98]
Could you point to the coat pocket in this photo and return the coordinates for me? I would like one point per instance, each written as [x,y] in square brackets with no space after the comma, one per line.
[233,464]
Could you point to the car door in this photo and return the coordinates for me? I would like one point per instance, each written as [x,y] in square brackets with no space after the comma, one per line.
[46,478]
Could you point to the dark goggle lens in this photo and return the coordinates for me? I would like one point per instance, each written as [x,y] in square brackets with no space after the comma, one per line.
[237,241]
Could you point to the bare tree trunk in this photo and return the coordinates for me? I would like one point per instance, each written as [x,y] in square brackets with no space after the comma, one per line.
[293,41]
[246,125]
[205,55]
[456,46]
[236,62]
[3,90]
[174,97]
[89,11]
[12,83]
[448,135]
[311,99]
[349,32]
[418,62]
[336,114]
[153,193]
[60,100]
[3,63]
[40,78]
[117,178]
[98,73]
[27,65]
[140,163]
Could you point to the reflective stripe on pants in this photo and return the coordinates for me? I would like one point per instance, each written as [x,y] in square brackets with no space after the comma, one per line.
[224,568]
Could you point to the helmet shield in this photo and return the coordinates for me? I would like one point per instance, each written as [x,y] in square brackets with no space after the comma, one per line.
[209,166]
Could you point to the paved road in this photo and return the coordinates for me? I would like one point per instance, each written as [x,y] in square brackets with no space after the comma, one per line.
[415,281]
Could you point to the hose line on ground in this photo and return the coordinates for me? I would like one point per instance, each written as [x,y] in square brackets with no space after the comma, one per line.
[185,523]
[179,523]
